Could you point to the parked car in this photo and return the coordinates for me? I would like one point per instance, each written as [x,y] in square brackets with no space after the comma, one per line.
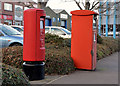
[18,28]
[60,31]
[10,36]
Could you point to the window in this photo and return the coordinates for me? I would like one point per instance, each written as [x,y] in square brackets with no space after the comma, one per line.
[62,23]
[8,6]
[66,31]
[9,30]
[18,29]
[56,31]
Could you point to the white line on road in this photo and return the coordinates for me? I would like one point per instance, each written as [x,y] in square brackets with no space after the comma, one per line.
[56,79]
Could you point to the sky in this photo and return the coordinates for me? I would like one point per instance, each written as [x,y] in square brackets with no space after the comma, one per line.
[68,6]
[60,4]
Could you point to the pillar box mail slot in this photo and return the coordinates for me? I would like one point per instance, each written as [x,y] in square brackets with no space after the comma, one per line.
[84,39]
[34,43]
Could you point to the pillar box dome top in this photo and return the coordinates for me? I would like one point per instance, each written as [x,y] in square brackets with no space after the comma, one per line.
[83,12]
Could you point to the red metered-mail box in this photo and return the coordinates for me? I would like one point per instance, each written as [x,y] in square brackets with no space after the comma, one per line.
[34,35]
[84,39]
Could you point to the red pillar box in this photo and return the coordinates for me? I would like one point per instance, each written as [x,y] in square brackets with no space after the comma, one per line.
[84,39]
[34,43]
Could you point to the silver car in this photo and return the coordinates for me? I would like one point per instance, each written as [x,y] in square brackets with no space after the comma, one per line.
[60,31]
[10,36]
[18,28]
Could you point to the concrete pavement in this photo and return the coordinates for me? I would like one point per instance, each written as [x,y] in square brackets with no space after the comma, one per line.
[106,73]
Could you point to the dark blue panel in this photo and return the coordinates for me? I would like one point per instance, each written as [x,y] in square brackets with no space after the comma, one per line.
[66,24]
[48,22]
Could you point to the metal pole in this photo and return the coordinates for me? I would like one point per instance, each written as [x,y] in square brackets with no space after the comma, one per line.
[107,19]
[114,25]
[99,27]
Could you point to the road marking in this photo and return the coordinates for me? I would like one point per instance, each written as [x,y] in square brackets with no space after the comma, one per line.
[56,79]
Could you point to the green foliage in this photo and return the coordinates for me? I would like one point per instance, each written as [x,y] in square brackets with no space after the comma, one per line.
[56,40]
[58,54]
[108,46]
[13,77]
[99,39]
[58,60]
[111,43]
[53,39]
[13,56]
[67,42]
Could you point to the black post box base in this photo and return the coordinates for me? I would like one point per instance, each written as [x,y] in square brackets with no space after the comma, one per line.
[34,71]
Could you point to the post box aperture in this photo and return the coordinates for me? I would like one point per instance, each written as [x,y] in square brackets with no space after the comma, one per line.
[84,38]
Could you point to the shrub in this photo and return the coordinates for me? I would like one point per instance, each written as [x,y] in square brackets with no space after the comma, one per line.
[56,40]
[57,61]
[99,39]
[13,77]
[13,56]
[108,46]
[67,42]
[53,39]
[111,43]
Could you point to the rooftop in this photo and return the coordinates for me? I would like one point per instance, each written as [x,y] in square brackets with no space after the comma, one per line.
[57,10]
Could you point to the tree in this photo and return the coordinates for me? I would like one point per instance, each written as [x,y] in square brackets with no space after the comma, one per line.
[92,4]
[42,3]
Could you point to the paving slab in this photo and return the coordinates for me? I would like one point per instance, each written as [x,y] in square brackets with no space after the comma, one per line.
[105,73]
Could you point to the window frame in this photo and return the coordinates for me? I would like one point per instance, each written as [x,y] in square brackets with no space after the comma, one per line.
[8,9]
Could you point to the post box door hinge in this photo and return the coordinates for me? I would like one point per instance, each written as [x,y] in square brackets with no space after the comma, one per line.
[92,53]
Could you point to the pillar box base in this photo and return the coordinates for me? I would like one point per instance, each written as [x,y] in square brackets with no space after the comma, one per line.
[34,70]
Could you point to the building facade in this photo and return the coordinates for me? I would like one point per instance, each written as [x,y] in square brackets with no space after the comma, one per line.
[109,17]
[57,17]
[11,13]
[50,17]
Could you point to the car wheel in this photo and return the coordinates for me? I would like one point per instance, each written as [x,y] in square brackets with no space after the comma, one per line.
[16,45]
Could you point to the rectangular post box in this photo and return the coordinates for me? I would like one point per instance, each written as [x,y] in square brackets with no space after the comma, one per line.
[34,35]
[84,39]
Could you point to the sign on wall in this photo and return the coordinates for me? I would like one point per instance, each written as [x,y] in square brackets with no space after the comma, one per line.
[64,16]
[18,12]
[7,17]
